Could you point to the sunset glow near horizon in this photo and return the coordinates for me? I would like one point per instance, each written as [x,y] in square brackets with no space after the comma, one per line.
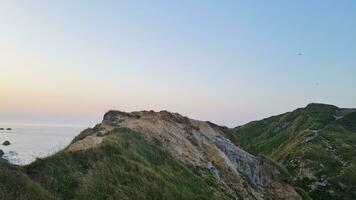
[227,62]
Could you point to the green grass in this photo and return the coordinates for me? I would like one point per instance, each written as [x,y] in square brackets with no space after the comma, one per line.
[302,193]
[15,184]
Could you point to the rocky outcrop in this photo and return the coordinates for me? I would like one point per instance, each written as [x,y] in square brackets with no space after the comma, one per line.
[199,144]
[6,143]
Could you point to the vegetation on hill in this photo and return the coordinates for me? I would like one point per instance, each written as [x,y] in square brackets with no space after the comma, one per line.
[124,166]
[315,144]
[15,184]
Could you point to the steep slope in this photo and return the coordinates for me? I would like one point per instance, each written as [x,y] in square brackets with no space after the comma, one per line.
[315,144]
[149,155]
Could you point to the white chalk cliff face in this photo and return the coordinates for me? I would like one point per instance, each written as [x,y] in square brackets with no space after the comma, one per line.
[198,143]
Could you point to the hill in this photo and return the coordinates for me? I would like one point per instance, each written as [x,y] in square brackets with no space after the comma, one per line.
[316,145]
[149,155]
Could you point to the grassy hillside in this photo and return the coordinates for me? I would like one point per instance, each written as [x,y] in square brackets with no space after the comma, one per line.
[315,144]
[15,184]
[124,166]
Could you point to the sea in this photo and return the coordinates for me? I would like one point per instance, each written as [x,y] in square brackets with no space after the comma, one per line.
[29,141]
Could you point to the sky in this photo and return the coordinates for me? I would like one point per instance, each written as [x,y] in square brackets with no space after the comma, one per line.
[229,62]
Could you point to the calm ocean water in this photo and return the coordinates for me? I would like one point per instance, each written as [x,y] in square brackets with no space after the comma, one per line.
[29,141]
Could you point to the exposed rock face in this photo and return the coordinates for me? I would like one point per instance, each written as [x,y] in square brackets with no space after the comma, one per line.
[6,143]
[259,172]
[198,143]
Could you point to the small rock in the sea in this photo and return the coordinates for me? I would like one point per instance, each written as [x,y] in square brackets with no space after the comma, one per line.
[1,129]
[8,129]
[6,143]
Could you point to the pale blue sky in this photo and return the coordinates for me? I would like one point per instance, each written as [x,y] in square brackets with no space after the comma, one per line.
[225,61]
